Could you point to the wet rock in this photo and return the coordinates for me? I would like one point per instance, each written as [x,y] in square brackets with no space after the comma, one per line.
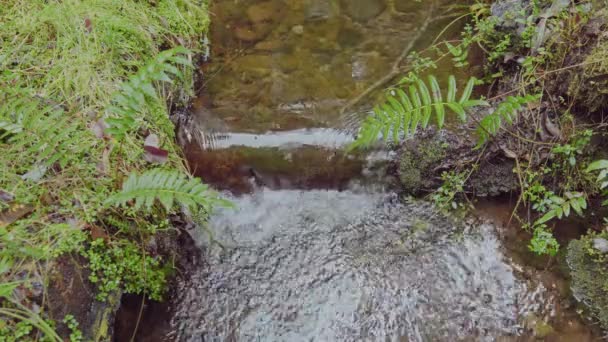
[510,14]
[601,245]
[247,34]
[589,279]
[493,178]
[258,65]
[418,159]
[363,10]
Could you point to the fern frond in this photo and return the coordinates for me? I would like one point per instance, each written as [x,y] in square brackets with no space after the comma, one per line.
[505,111]
[44,132]
[169,187]
[403,113]
[133,99]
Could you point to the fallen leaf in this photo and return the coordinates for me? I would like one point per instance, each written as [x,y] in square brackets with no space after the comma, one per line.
[155,155]
[98,232]
[14,213]
[88,25]
[152,140]
[99,128]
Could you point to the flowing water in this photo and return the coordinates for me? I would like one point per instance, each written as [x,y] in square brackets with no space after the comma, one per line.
[319,247]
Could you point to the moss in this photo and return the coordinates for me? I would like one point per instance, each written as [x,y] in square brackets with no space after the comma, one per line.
[589,278]
[418,159]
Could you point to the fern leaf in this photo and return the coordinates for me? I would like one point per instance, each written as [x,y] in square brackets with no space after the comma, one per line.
[128,108]
[169,187]
[42,132]
[425,95]
[437,101]
[505,111]
[402,113]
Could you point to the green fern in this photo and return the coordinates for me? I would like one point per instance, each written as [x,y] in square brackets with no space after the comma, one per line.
[168,187]
[506,111]
[403,113]
[138,94]
[43,132]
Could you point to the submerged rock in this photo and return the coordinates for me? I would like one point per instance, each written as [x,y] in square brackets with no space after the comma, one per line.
[363,10]
[321,10]
[264,11]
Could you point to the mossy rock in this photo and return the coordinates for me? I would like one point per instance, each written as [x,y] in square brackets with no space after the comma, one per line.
[590,86]
[418,159]
[589,279]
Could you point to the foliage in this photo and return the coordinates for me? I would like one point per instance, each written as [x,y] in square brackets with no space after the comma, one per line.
[65,68]
[403,112]
[136,96]
[505,111]
[559,207]
[453,184]
[125,267]
[602,178]
[72,323]
[166,186]
[543,241]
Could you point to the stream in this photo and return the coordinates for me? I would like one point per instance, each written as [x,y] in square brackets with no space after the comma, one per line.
[319,246]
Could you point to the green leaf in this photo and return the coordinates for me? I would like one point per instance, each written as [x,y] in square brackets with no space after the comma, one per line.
[166,186]
[468,90]
[437,101]
[597,165]
[6,289]
[548,216]
[451,89]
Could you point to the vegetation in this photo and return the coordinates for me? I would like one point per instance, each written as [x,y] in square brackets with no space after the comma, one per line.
[86,92]
[547,61]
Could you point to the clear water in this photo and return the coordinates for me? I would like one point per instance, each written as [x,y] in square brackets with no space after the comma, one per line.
[319,248]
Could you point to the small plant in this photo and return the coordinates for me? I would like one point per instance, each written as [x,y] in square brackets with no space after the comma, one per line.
[125,267]
[72,323]
[453,184]
[602,178]
[543,242]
